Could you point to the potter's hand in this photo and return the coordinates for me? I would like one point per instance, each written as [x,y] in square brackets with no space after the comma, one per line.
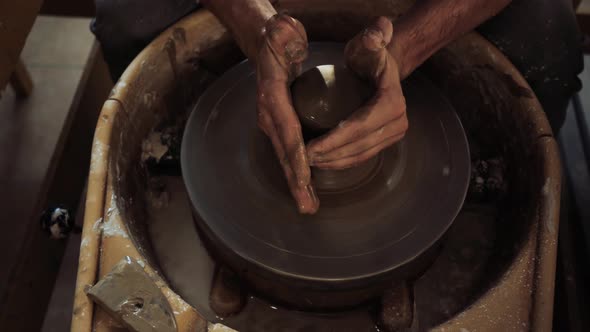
[281,52]
[382,121]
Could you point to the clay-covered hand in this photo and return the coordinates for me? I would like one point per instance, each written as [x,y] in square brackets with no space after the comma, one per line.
[282,50]
[382,120]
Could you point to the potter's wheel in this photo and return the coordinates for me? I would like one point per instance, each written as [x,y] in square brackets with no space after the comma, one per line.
[242,201]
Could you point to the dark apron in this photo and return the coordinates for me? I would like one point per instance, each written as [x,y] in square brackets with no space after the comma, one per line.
[540,37]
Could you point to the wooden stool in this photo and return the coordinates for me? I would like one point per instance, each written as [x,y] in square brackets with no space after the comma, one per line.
[16,21]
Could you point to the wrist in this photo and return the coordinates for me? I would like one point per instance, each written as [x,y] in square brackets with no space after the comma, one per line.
[402,43]
[398,50]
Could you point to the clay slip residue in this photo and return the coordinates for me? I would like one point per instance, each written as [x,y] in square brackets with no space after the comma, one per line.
[177,304]
[111,226]
[98,152]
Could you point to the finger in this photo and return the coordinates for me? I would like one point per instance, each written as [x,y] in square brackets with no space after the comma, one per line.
[395,128]
[359,158]
[365,63]
[384,24]
[289,132]
[384,109]
[380,34]
[305,197]
[293,52]
[366,53]
[380,68]
[287,41]
[287,38]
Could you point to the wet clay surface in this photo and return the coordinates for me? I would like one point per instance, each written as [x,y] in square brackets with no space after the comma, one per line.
[238,191]
[325,95]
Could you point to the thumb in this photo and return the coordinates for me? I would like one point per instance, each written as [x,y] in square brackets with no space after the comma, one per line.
[378,35]
[366,52]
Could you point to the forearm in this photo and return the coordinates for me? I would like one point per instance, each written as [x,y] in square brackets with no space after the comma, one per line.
[431,24]
[244,19]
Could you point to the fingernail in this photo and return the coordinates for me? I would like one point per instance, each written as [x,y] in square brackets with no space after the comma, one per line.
[295,51]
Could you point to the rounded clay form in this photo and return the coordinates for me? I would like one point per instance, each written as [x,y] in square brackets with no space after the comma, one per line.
[325,95]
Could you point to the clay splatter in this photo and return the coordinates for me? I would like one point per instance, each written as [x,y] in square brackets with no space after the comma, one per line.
[219,328]
[98,154]
[112,227]
[178,305]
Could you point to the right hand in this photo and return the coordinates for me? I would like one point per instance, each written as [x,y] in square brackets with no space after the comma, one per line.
[282,50]
[382,121]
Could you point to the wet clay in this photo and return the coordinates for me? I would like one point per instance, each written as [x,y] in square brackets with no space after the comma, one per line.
[324,96]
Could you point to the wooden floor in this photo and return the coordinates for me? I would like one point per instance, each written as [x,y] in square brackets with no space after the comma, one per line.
[38,148]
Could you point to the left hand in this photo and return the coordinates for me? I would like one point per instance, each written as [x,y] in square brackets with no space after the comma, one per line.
[382,121]
[281,53]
